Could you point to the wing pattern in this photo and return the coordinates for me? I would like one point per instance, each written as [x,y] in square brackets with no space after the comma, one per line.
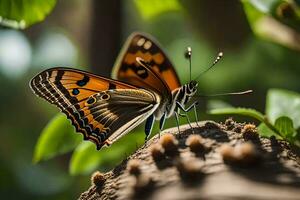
[80,96]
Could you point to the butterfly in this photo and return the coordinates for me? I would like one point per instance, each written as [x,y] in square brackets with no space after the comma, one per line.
[144,87]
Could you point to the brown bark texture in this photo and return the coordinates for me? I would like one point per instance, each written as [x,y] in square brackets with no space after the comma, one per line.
[215,161]
[105,35]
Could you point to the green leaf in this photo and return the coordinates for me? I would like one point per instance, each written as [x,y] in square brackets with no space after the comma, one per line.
[274,20]
[265,131]
[265,6]
[284,11]
[152,8]
[58,137]
[20,14]
[285,126]
[239,111]
[86,158]
[254,12]
[283,103]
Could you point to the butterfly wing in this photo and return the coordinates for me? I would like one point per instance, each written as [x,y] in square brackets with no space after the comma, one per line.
[98,107]
[145,47]
[145,77]
[122,110]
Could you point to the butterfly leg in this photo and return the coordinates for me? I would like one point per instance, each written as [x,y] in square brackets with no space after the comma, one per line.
[186,110]
[149,126]
[195,112]
[177,121]
[162,123]
[188,119]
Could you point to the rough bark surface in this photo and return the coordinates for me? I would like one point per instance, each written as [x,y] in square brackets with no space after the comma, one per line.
[226,162]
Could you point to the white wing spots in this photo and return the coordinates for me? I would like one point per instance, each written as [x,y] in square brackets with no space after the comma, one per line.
[147,45]
[141,71]
[141,41]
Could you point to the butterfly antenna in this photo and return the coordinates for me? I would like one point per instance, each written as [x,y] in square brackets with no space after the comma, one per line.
[188,55]
[226,94]
[220,55]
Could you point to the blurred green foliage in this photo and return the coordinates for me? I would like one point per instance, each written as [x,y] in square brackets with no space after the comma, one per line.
[57,138]
[282,115]
[150,9]
[23,13]
[265,16]
[282,102]
[86,158]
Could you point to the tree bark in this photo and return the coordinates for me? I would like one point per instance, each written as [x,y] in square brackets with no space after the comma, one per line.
[220,161]
[105,35]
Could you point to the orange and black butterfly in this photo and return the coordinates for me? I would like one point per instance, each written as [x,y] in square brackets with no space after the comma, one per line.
[145,86]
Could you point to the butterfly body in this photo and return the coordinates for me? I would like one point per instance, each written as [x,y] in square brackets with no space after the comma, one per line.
[144,87]
[181,95]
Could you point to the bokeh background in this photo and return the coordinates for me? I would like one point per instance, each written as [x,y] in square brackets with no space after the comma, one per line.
[89,35]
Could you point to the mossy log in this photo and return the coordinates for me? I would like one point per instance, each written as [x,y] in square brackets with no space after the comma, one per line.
[215,161]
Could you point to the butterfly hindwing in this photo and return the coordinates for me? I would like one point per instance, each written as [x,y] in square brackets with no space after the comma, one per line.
[145,47]
[83,98]
[121,110]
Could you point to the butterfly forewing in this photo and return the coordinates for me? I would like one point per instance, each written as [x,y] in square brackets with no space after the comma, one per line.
[145,47]
[98,107]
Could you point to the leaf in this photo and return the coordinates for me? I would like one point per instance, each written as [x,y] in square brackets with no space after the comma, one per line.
[86,158]
[20,14]
[274,20]
[264,6]
[58,137]
[283,103]
[152,8]
[284,11]
[255,11]
[285,126]
[238,111]
[265,131]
